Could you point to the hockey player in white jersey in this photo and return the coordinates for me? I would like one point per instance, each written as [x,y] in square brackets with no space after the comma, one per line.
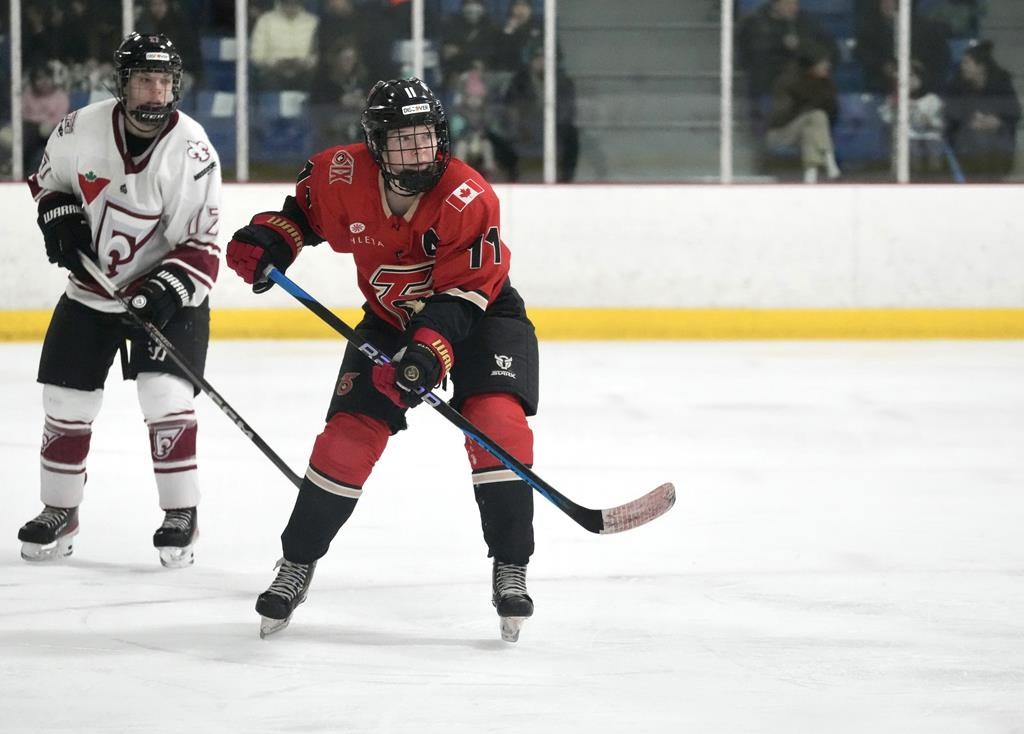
[134,185]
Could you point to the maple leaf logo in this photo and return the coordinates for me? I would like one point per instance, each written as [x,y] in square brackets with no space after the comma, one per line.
[464,192]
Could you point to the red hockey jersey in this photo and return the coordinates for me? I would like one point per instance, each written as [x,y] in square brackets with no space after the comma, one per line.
[449,242]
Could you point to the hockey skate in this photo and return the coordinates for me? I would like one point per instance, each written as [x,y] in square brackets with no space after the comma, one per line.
[50,535]
[176,537]
[514,605]
[289,589]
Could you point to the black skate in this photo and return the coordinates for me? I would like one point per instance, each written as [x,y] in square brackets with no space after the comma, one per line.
[176,537]
[49,536]
[290,588]
[514,605]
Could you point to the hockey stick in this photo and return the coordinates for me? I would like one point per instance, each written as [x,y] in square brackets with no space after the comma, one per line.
[157,336]
[613,520]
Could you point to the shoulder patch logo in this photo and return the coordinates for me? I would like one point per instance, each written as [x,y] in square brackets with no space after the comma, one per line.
[91,185]
[67,125]
[464,194]
[343,166]
[199,150]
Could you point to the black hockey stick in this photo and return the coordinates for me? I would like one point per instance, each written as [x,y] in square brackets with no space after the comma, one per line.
[157,336]
[613,520]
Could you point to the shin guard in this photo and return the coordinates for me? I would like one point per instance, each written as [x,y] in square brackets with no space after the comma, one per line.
[167,404]
[505,501]
[67,434]
[343,457]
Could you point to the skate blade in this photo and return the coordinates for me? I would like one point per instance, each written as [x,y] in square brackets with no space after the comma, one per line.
[510,628]
[51,552]
[270,626]
[171,557]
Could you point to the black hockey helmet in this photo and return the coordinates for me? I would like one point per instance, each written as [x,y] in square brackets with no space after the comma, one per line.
[155,53]
[404,103]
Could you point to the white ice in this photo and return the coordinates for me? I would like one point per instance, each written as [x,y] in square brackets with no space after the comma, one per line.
[846,555]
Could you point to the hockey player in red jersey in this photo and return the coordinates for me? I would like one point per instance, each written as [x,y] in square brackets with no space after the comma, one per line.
[134,185]
[424,231]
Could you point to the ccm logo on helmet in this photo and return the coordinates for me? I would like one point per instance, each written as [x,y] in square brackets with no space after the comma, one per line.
[412,109]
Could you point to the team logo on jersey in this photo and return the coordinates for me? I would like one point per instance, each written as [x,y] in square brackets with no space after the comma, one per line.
[199,150]
[165,439]
[356,227]
[342,167]
[67,125]
[345,383]
[464,193]
[504,367]
[91,185]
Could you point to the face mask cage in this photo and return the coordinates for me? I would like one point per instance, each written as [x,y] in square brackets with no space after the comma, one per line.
[394,155]
[149,115]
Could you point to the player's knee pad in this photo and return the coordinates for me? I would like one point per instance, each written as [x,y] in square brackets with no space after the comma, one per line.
[68,428]
[500,416]
[345,453]
[168,405]
[162,395]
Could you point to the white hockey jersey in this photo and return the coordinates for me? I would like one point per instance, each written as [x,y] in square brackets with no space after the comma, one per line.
[159,207]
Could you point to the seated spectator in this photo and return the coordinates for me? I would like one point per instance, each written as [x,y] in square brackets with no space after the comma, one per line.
[876,50]
[468,37]
[470,123]
[165,16]
[282,47]
[772,37]
[345,22]
[520,32]
[804,108]
[524,109]
[926,123]
[982,112]
[338,95]
[44,102]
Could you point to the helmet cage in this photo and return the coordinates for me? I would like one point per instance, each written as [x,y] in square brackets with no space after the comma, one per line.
[401,104]
[154,54]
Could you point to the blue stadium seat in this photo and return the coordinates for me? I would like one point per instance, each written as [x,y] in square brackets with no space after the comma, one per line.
[860,136]
[219,54]
[215,111]
[281,128]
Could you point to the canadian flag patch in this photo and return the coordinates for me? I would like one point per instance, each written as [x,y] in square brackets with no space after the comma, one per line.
[464,193]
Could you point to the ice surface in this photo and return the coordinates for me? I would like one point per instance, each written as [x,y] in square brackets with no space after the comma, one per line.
[846,555]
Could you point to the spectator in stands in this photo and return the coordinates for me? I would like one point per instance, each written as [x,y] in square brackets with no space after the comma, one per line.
[926,122]
[282,48]
[982,112]
[524,108]
[44,102]
[470,123]
[804,108]
[39,45]
[343,22]
[520,32]
[338,95]
[875,24]
[772,37]
[466,38]
[165,16]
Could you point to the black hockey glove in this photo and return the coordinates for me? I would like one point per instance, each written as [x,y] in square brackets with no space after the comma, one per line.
[416,369]
[66,233]
[161,294]
[269,239]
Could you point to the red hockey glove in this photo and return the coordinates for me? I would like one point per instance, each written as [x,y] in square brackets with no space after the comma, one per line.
[416,369]
[269,239]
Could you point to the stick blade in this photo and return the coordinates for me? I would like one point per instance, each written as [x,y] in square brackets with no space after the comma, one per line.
[640,511]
